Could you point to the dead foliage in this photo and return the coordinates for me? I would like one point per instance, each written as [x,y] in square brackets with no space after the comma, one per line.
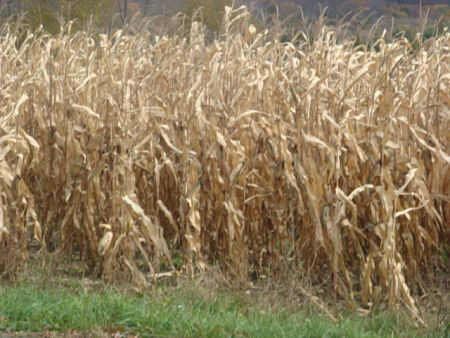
[136,150]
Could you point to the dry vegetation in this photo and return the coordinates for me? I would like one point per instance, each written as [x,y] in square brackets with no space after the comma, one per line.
[136,151]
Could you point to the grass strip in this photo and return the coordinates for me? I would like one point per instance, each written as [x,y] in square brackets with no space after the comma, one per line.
[26,308]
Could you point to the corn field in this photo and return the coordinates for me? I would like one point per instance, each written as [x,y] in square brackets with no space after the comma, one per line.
[133,150]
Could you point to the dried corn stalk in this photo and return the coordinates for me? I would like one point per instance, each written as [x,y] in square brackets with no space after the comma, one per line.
[245,152]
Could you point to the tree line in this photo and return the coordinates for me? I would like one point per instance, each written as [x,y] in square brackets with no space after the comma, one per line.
[105,14]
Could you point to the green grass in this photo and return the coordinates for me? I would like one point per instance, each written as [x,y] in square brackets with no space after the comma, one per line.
[178,312]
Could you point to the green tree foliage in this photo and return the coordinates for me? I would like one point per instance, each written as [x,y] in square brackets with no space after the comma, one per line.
[40,12]
[83,11]
[49,12]
[212,11]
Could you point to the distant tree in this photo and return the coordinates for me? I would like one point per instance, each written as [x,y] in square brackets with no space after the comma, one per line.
[98,12]
[212,11]
[48,12]
[122,6]
[40,12]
